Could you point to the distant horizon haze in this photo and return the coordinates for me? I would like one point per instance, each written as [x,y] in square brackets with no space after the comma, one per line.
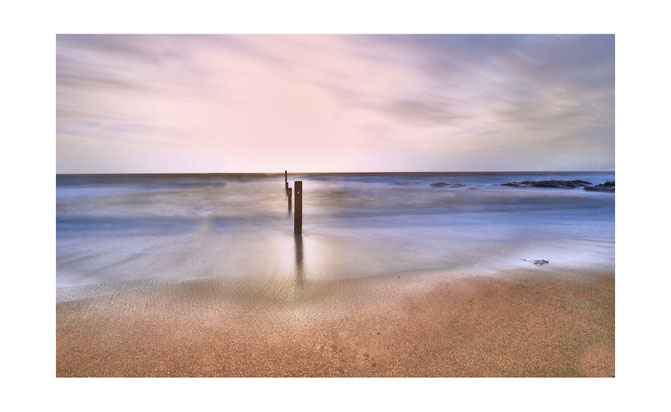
[357,172]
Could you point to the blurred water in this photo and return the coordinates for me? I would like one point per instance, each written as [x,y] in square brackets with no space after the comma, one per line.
[119,228]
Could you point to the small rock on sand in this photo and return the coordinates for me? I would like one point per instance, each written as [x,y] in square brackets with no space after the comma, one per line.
[538,262]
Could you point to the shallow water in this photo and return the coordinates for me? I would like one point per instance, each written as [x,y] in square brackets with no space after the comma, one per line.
[122,228]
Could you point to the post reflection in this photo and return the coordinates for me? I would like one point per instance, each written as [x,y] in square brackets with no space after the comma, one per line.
[289,201]
[298,242]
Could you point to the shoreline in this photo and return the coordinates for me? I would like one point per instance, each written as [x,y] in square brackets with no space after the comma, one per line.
[517,323]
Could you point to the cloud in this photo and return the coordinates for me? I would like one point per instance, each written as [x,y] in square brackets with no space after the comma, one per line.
[341,103]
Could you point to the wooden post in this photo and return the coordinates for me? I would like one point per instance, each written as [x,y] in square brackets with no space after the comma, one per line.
[298,208]
[286,182]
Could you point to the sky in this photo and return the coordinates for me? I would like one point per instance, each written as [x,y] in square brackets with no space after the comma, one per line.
[334,103]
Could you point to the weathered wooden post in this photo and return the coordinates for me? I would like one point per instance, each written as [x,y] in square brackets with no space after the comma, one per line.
[286,182]
[298,208]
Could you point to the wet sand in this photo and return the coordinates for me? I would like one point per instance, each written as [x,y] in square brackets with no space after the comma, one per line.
[524,323]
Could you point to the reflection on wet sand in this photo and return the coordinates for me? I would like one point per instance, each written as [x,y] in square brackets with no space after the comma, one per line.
[120,229]
[289,206]
[298,242]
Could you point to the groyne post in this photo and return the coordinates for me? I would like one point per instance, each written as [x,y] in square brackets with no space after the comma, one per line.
[286,182]
[298,207]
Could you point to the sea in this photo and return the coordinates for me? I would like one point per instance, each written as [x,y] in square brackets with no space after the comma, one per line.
[118,228]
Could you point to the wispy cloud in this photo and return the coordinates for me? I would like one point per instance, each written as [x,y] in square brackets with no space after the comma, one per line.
[393,102]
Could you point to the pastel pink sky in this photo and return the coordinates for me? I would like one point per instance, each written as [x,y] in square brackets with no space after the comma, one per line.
[317,103]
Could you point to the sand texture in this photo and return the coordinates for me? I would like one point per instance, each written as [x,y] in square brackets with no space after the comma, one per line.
[535,323]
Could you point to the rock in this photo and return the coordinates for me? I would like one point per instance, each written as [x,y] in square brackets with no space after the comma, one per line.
[446,184]
[605,187]
[554,184]
[538,262]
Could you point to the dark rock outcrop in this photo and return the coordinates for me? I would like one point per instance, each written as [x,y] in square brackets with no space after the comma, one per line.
[538,262]
[554,184]
[446,184]
[605,187]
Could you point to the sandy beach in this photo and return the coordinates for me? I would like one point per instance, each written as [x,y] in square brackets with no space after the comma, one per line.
[522,323]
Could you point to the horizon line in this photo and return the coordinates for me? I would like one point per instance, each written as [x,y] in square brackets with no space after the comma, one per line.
[316,173]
